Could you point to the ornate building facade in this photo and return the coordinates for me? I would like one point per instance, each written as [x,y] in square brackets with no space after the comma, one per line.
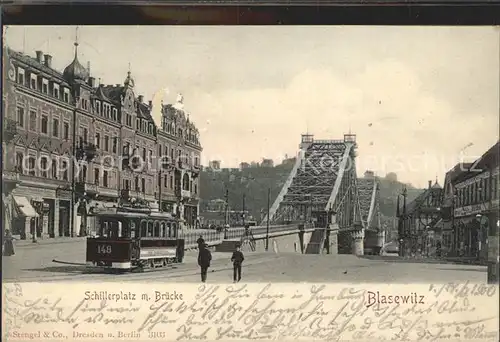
[57,125]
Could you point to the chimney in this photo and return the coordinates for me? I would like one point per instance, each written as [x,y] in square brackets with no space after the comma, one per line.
[430,184]
[150,104]
[48,61]
[92,82]
[39,56]
[140,98]
[118,85]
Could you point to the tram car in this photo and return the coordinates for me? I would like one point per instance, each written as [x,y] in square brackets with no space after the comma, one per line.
[134,238]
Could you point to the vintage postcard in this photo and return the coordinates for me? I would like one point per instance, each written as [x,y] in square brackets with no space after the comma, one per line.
[250,183]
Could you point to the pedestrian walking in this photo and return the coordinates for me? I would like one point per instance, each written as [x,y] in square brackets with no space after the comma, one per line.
[8,244]
[204,259]
[237,260]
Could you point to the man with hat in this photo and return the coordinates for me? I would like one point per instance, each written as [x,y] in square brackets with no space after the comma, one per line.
[204,259]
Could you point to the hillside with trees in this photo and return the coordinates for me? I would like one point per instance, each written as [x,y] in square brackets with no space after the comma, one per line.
[253,182]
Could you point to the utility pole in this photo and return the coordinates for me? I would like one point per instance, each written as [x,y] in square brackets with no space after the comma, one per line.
[405,232]
[76,99]
[226,214]
[243,214]
[159,190]
[268,218]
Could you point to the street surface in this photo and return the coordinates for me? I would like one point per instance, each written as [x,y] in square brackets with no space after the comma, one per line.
[35,263]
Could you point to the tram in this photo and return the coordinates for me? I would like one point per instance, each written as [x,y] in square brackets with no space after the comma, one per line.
[134,238]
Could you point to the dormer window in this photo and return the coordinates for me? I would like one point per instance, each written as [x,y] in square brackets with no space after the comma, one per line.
[56,90]
[138,124]
[33,81]
[45,86]
[150,128]
[20,76]
[66,95]
[115,114]
[98,107]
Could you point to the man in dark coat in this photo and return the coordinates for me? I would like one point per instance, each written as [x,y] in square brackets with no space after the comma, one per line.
[237,260]
[200,242]
[8,243]
[204,259]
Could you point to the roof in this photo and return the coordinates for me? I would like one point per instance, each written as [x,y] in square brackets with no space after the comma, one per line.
[111,93]
[33,62]
[75,70]
[413,205]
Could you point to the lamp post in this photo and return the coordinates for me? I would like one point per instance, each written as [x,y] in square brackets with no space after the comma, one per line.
[243,214]
[427,240]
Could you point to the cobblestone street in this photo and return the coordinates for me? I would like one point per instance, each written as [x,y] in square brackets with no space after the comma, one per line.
[35,263]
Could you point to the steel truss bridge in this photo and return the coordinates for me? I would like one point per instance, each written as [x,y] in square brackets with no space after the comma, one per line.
[323,188]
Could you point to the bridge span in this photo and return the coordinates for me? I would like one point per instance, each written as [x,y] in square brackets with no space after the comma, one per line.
[323,190]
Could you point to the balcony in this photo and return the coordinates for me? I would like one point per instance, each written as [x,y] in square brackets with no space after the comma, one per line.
[82,187]
[185,194]
[105,191]
[86,151]
[127,194]
[10,130]
[10,176]
[195,171]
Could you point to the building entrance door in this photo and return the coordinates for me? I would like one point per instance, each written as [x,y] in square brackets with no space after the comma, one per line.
[63,221]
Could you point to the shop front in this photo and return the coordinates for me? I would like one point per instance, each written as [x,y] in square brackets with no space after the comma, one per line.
[471,231]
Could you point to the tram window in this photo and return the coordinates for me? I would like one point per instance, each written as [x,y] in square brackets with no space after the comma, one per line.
[104,227]
[157,229]
[163,231]
[169,228]
[150,228]
[174,230]
[144,229]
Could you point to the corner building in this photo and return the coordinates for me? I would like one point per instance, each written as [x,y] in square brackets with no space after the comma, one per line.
[45,111]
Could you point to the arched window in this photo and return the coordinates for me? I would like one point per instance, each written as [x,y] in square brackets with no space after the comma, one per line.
[185,182]
[169,228]
[144,228]
[150,228]
[163,231]
[157,229]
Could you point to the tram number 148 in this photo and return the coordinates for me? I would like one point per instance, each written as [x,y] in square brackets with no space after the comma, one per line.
[104,249]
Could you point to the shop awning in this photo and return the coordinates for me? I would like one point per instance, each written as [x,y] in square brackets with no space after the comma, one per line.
[25,207]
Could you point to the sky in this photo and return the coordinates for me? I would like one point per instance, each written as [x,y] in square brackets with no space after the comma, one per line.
[414,96]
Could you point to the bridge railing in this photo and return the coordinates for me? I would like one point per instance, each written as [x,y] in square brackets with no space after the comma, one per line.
[212,236]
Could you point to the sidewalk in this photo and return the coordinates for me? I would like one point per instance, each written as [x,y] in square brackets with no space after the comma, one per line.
[47,241]
[444,260]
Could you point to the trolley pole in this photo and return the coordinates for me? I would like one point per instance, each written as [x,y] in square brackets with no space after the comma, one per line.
[268,218]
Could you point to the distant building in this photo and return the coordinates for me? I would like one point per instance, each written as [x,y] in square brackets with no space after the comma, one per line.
[214,164]
[369,174]
[392,177]
[289,161]
[267,163]
[244,165]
